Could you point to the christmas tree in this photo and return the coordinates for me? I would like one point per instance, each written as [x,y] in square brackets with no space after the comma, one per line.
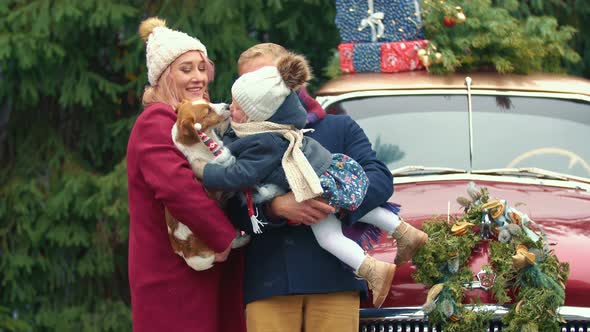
[469,35]
[488,35]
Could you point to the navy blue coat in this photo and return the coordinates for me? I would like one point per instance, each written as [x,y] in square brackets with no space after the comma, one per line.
[259,156]
[287,260]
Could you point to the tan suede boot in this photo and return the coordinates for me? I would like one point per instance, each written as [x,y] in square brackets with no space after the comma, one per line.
[409,239]
[379,276]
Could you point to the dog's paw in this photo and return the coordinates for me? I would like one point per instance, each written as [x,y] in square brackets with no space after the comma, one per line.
[225,159]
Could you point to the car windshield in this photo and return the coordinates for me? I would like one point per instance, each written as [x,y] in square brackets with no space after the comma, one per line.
[508,131]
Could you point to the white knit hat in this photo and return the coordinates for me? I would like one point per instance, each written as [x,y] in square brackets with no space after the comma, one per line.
[260,93]
[164,45]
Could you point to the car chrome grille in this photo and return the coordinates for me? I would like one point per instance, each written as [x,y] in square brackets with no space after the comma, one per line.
[412,319]
[421,326]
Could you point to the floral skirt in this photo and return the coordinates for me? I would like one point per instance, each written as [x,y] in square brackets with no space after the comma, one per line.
[344,182]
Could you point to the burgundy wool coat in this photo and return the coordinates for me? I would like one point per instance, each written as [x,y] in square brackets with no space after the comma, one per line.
[166,294]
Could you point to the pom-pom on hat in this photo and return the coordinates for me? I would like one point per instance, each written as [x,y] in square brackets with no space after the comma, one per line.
[261,92]
[164,45]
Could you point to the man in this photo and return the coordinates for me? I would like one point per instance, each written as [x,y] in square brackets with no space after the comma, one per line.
[291,283]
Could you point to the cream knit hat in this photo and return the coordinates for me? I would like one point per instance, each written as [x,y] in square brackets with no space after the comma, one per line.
[164,45]
[260,93]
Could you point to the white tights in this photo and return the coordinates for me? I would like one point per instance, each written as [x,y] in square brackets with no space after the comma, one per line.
[328,233]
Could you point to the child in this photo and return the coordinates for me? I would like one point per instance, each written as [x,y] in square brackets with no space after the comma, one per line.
[268,117]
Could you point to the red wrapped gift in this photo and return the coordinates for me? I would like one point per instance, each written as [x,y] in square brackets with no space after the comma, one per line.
[401,56]
[389,57]
[346,53]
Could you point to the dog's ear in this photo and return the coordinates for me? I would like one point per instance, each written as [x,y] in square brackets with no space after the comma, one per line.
[187,129]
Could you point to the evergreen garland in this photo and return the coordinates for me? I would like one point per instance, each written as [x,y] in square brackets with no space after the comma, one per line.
[519,260]
[472,35]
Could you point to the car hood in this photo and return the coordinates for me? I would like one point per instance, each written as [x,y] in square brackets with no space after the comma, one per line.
[564,214]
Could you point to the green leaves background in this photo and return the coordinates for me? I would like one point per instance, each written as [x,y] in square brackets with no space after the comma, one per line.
[71,77]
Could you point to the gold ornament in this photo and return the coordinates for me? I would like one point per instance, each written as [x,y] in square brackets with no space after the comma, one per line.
[425,59]
[437,57]
[523,258]
[461,18]
[461,227]
[515,218]
[433,292]
[495,207]
[421,52]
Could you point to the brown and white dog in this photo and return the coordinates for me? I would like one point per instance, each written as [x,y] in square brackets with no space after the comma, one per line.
[206,116]
[209,116]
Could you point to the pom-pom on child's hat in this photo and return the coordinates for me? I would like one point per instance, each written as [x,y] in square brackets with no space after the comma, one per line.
[164,45]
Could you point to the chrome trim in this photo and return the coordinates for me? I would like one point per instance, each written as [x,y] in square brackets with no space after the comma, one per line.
[533,170]
[326,101]
[414,168]
[492,178]
[415,313]
[470,117]
[574,313]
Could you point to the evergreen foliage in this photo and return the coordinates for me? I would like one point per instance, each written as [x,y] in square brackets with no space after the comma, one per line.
[71,77]
[504,36]
[490,37]
[442,265]
[72,73]
[574,13]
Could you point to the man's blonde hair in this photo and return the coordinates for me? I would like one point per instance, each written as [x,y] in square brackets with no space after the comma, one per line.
[272,49]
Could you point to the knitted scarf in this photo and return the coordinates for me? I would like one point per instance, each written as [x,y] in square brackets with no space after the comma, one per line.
[301,176]
[315,112]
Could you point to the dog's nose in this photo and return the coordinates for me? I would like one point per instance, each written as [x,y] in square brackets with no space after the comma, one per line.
[221,109]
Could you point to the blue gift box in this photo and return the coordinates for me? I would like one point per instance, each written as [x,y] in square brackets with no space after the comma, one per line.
[367,57]
[379,20]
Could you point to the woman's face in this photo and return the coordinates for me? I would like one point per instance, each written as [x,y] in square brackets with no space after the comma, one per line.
[189,74]
[237,114]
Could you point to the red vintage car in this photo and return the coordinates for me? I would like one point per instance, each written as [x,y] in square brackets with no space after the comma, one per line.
[525,138]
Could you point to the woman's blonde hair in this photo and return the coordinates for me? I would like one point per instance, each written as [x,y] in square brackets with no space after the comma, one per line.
[165,91]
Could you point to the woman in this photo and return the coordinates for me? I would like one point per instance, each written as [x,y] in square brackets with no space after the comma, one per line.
[166,294]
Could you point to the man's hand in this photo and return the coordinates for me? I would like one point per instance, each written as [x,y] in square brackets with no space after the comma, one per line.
[308,212]
[222,257]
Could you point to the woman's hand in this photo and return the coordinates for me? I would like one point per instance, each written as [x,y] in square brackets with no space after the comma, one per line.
[308,212]
[198,167]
